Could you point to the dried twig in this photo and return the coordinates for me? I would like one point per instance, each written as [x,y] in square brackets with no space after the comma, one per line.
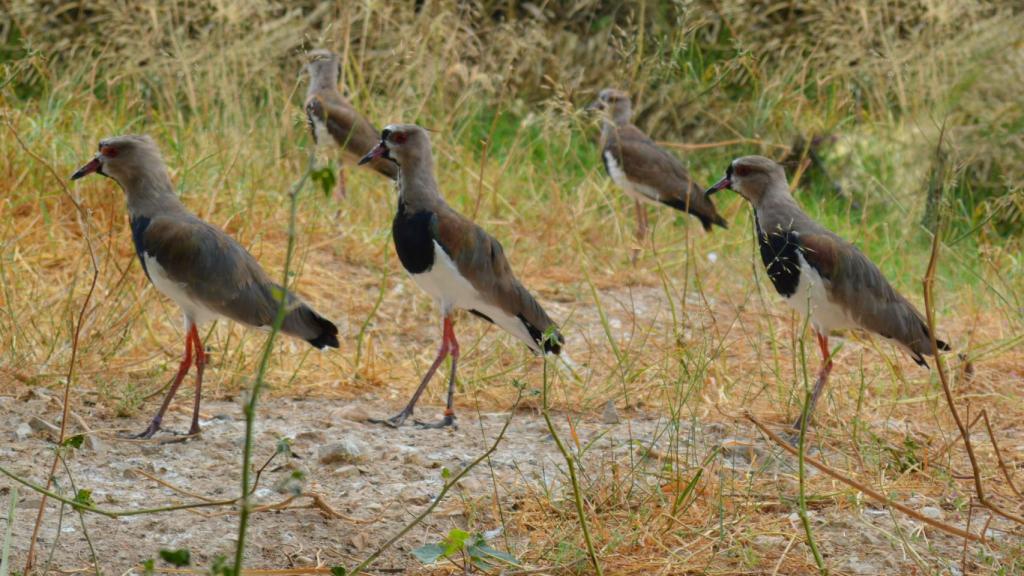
[869,492]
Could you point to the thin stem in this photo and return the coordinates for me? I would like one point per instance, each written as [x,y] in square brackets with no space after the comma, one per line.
[250,407]
[440,497]
[110,513]
[83,223]
[571,464]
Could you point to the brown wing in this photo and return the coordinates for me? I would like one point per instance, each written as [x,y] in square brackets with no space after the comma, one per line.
[861,288]
[350,129]
[216,271]
[646,163]
[481,260]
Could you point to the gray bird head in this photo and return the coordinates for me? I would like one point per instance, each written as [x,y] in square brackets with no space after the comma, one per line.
[751,177]
[324,67]
[614,104]
[124,158]
[403,144]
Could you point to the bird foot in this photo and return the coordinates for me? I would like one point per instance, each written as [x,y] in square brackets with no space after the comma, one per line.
[148,433]
[395,421]
[448,420]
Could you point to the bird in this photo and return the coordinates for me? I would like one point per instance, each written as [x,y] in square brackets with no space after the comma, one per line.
[820,274]
[332,118]
[643,170]
[202,269]
[455,261]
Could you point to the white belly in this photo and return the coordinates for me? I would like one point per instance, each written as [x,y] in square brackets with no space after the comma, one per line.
[321,135]
[641,192]
[195,312]
[452,290]
[811,298]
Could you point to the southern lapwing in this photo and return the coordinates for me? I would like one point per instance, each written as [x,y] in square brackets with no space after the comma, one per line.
[454,261]
[820,274]
[205,272]
[333,119]
[643,169]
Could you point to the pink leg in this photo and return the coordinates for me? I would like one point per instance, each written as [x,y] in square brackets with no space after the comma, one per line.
[453,351]
[398,419]
[186,363]
[641,228]
[819,384]
[200,364]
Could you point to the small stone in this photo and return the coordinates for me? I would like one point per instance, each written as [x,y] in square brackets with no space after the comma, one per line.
[346,471]
[471,485]
[315,436]
[931,512]
[414,497]
[22,432]
[42,426]
[350,412]
[152,449]
[610,414]
[345,451]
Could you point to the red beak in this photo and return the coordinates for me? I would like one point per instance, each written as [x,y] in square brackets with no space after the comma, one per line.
[94,165]
[723,183]
[380,151]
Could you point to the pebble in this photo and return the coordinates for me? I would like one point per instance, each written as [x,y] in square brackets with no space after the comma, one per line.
[769,542]
[22,432]
[350,412]
[346,451]
[931,512]
[41,426]
[346,471]
[610,414]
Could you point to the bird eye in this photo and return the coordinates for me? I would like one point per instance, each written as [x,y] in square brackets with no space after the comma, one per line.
[398,137]
[108,151]
[742,170]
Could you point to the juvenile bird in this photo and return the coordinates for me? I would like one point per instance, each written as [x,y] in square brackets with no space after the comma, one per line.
[644,170]
[453,260]
[333,119]
[820,274]
[202,269]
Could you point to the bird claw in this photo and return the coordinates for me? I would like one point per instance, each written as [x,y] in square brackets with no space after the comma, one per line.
[394,422]
[148,433]
[448,420]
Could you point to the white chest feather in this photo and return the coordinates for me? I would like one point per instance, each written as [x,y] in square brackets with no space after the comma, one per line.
[194,311]
[811,297]
[452,290]
[639,191]
[321,134]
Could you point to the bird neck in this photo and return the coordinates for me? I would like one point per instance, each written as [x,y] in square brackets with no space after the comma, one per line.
[417,187]
[777,209]
[326,82]
[150,192]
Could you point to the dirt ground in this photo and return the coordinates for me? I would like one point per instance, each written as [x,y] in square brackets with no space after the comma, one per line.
[373,480]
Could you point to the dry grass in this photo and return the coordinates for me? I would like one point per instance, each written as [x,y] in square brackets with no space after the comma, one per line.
[690,334]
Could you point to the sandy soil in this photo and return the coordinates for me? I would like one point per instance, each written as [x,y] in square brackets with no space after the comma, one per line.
[377,479]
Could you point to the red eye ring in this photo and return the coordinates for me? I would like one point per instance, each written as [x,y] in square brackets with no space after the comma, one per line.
[742,171]
[108,151]
[399,137]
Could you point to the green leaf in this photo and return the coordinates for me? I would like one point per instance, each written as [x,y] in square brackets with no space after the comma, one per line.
[284,446]
[176,558]
[74,441]
[455,541]
[446,473]
[428,554]
[83,498]
[325,177]
[339,571]
[147,567]
[482,551]
[220,567]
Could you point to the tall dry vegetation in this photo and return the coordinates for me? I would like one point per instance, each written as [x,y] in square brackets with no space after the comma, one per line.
[906,97]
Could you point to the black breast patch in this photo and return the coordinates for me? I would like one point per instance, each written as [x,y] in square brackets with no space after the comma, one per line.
[139,225]
[780,254]
[414,239]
